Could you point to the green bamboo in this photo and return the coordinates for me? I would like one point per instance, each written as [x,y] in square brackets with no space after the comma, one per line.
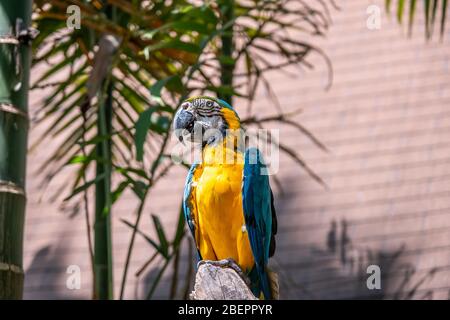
[14,76]
[227,68]
[103,261]
[102,228]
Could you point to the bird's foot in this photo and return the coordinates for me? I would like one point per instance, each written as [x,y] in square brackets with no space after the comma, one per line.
[227,263]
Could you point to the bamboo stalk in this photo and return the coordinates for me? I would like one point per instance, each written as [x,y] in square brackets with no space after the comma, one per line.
[102,228]
[227,69]
[103,261]
[13,145]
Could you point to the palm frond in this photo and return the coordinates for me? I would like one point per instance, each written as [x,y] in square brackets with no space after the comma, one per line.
[435,12]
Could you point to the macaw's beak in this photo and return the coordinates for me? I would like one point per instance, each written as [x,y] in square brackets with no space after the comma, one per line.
[184,120]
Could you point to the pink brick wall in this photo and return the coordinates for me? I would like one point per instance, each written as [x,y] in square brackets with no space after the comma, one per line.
[386,122]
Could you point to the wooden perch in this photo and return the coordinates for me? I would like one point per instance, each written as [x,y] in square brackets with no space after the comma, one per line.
[219,283]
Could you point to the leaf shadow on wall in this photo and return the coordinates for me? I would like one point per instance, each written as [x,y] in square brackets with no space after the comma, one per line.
[325,261]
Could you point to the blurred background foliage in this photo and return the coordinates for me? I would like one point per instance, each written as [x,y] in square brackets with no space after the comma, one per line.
[114,128]
[435,14]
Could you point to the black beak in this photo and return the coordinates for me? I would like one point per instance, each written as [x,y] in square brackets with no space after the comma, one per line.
[184,120]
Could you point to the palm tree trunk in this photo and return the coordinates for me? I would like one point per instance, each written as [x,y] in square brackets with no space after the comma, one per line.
[14,75]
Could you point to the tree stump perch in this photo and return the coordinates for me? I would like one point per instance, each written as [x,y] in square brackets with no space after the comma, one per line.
[219,283]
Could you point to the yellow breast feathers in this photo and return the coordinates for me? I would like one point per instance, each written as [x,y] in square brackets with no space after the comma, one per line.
[217,202]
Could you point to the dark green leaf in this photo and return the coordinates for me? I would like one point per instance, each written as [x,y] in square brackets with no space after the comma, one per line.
[388,6]
[161,235]
[226,60]
[433,16]
[139,188]
[139,172]
[146,237]
[400,9]
[427,17]
[173,44]
[142,126]
[444,12]
[412,9]
[175,85]
[118,192]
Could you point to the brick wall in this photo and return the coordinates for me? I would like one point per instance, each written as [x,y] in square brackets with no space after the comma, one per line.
[386,123]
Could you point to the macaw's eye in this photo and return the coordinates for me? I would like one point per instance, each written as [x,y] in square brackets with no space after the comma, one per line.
[185,105]
[209,104]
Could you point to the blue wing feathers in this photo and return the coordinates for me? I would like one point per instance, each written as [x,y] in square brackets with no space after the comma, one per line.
[257,201]
[187,204]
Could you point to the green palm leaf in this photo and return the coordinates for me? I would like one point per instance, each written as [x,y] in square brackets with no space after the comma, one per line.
[433,9]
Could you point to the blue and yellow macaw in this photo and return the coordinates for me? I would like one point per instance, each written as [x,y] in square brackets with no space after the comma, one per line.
[228,202]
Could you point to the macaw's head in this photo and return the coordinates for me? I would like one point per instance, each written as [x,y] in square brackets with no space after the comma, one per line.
[205,119]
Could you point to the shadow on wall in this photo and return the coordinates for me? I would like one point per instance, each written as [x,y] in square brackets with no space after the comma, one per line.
[170,286]
[49,283]
[337,268]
